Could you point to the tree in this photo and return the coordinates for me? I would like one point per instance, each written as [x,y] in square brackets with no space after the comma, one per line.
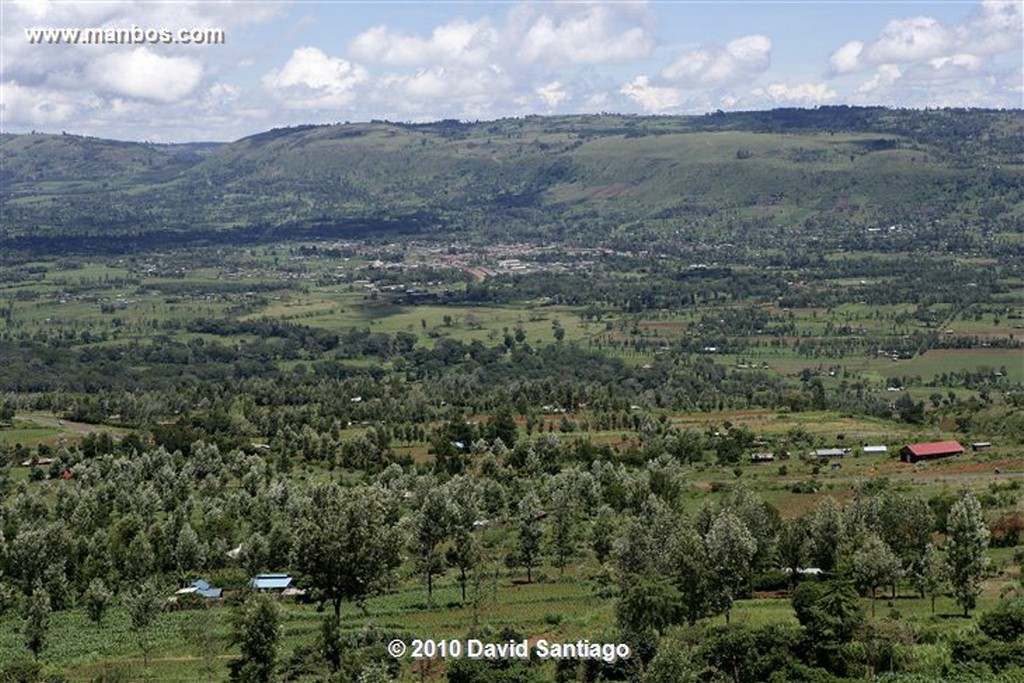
[830,615]
[647,604]
[37,620]
[791,547]
[929,575]
[431,524]
[256,632]
[874,565]
[144,603]
[826,534]
[966,550]
[730,548]
[97,599]
[330,642]
[348,542]
[563,523]
[187,550]
[602,533]
[691,574]
[464,553]
[675,661]
[529,532]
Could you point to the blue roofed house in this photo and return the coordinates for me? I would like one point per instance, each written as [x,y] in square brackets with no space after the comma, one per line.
[271,582]
[202,589]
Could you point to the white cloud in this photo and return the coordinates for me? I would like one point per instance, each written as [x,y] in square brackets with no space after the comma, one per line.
[311,78]
[714,66]
[654,99]
[847,58]
[144,74]
[595,35]
[800,93]
[960,61]
[456,42]
[997,27]
[35,106]
[884,77]
[908,40]
[553,94]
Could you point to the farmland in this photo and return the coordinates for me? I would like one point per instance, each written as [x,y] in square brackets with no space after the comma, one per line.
[570,402]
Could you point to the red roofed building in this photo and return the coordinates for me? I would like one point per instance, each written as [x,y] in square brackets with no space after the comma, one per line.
[927,451]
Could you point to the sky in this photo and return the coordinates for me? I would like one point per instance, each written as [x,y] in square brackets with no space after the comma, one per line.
[291,63]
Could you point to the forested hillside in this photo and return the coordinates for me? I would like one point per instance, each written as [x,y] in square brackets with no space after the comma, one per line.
[579,178]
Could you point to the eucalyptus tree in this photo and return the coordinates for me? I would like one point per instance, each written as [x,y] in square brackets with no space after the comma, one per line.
[349,542]
[464,497]
[257,631]
[874,565]
[929,574]
[530,532]
[967,539]
[37,620]
[730,549]
[431,525]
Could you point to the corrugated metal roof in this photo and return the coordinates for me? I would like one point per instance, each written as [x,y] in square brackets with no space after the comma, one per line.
[271,581]
[935,448]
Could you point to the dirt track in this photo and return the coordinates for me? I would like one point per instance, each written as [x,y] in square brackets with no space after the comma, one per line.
[65,425]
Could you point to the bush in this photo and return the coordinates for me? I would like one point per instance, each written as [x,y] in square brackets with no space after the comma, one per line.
[1005,622]
[22,671]
[771,580]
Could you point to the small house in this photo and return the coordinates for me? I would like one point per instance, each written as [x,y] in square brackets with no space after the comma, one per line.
[980,445]
[875,450]
[202,588]
[271,583]
[929,451]
[830,452]
[762,457]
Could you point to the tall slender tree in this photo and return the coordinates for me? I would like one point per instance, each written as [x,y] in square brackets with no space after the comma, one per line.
[257,632]
[966,550]
[529,532]
[730,548]
[37,620]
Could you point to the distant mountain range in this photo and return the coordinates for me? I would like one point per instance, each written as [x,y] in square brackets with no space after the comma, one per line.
[576,178]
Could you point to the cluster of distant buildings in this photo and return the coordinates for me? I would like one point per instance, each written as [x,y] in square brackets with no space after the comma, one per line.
[282,585]
[914,452]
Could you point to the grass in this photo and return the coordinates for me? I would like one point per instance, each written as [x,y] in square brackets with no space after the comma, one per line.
[557,609]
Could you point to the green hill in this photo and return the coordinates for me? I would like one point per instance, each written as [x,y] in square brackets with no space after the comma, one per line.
[572,178]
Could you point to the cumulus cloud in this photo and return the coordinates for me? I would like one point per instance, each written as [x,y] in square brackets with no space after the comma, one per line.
[921,61]
[654,99]
[553,94]
[144,74]
[799,93]
[995,28]
[595,35]
[908,40]
[885,76]
[36,106]
[847,58]
[440,83]
[714,65]
[311,78]
[458,41]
